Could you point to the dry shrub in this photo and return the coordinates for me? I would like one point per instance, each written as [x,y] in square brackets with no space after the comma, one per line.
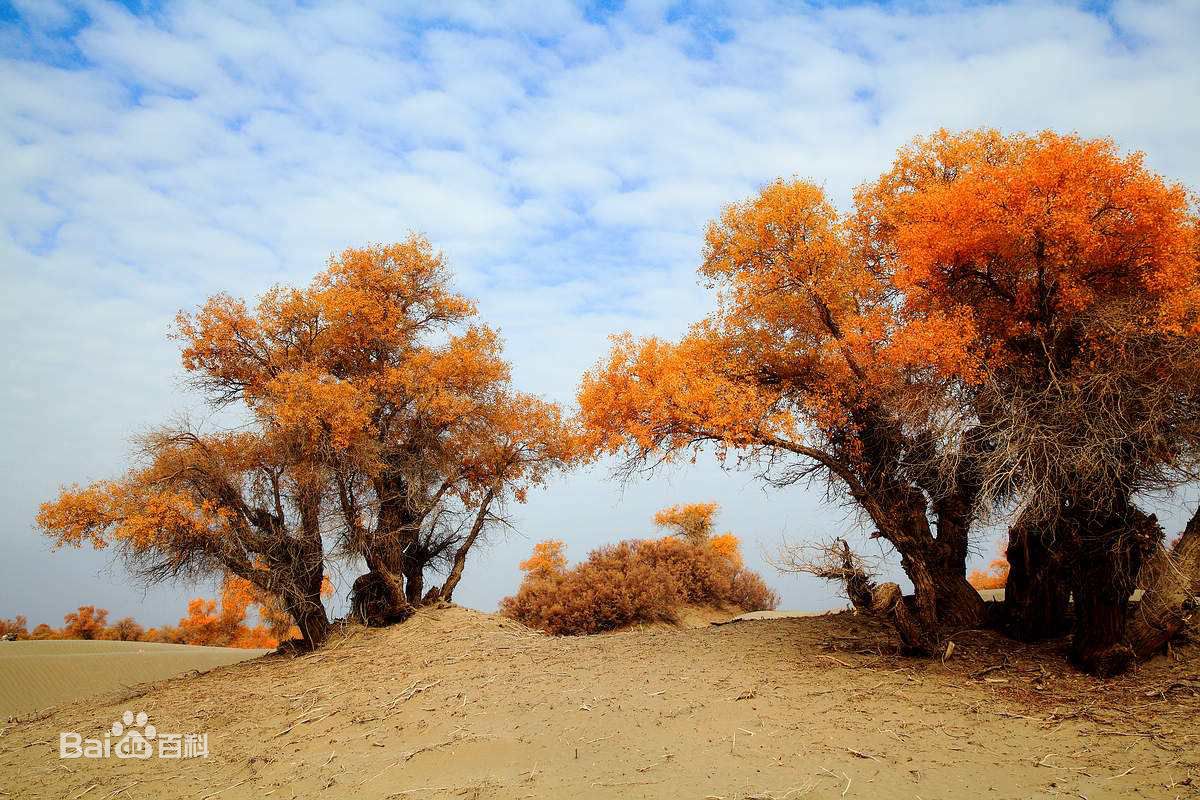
[15,628]
[634,582]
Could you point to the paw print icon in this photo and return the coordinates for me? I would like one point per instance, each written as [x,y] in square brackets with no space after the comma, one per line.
[135,736]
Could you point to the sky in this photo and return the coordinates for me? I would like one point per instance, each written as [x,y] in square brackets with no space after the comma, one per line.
[565,158]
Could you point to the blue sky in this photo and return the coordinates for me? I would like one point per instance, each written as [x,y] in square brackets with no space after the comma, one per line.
[565,158]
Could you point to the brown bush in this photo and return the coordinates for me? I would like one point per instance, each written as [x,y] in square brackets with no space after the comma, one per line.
[15,628]
[634,582]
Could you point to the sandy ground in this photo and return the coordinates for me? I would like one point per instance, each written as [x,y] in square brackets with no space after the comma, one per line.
[35,675]
[457,704]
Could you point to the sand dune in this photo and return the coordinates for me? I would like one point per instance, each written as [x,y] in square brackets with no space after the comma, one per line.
[34,675]
[456,704]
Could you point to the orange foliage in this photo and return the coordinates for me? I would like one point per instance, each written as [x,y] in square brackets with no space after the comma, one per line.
[841,342]
[995,577]
[376,360]
[44,631]
[636,582]
[216,623]
[15,628]
[693,521]
[125,629]
[547,559]
[728,546]
[996,227]
[88,622]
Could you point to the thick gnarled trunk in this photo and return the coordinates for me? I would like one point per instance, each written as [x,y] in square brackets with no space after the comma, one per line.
[311,620]
[1036,595]
[936,566]
[1170,580]
[384,594]
[1107,557]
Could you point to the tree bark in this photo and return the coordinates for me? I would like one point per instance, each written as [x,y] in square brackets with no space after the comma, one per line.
[889,602]
[310,617]
[1037,593]
[414,580]
[380,596]
[460,556]
[377,597]
[1106,563]
[958,602]
[1170,580]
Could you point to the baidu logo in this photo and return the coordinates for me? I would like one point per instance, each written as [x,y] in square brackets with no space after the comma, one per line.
[132,736]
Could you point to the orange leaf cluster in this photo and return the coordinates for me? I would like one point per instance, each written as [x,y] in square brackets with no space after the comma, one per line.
[547,559]
[637,582]
[214,623]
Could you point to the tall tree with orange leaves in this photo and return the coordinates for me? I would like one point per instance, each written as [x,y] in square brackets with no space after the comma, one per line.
[402,397]
[807,369]
[1076,269]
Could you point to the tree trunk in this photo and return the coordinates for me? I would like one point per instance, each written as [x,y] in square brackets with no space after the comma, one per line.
[1098,645]
[414,581]
[313,623]
[889,602]
[387,593]
[1037,593]
[1170,580]
[943,596]
[460,555]
[1105,567]
[958,602]
[377,597]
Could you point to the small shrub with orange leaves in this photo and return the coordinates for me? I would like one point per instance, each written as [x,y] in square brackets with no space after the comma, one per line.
[995,577]
[633,582]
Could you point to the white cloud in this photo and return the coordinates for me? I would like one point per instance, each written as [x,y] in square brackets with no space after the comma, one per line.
[567,168]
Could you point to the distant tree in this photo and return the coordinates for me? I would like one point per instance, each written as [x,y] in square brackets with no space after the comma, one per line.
[87,622]
[15,628]
[44,631]
[548,559]
[693,521]
[995,577]
[126,629]
[637,582]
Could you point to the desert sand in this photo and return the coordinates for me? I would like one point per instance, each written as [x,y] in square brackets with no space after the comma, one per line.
[459,704]
[34,675]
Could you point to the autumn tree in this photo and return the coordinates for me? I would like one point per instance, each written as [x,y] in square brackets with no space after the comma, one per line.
[44,631]
[86,622]
[126,629]
[204,505]
[404,399]
[1075,268]
[15,628]
[547,558]
[696,522]
[994,577]
[807,369]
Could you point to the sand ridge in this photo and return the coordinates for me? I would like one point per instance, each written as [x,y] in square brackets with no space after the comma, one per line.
[37,674]
[456,704]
